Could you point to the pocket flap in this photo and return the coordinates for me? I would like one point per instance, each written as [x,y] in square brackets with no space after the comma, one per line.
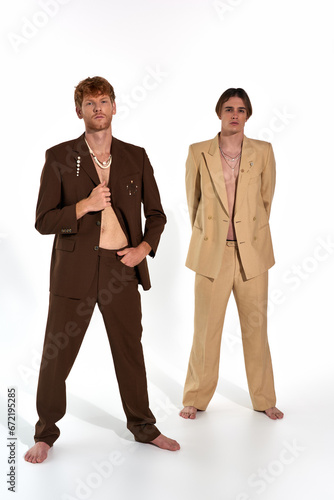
[65,244]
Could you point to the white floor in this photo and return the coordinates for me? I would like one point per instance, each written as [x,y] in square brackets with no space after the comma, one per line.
[229,452]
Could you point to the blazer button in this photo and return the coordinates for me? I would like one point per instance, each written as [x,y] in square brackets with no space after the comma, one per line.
[206,238]
[254,238]
[254,218]
[98,223]
[210,217]
[96,247]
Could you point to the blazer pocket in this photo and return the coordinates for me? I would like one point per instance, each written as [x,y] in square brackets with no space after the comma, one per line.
[254,179]
[65,244]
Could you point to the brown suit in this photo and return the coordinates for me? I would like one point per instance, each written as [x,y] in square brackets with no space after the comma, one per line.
[222,266]
[76,242]
[82,275]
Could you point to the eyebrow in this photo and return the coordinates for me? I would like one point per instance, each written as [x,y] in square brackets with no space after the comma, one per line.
[232,107]
[94,98]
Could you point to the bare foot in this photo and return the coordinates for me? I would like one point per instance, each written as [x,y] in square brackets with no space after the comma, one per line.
[166,443]
[274,413]
[188,412]
[38,453]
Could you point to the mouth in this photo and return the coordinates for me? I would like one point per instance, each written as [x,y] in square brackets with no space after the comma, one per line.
[99,116]
[234,123]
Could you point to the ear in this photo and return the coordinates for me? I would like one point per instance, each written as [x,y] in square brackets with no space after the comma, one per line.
[79,112]
[114,108]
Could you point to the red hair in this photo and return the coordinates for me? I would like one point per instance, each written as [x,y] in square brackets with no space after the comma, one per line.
[93,86]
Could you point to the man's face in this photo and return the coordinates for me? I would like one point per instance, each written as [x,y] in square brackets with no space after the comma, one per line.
[233,116]
[97,112]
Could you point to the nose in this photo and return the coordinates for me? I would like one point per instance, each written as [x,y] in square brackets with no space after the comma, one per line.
[97,107]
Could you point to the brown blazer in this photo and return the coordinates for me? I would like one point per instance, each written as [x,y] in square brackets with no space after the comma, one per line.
[208,207]
[132,183]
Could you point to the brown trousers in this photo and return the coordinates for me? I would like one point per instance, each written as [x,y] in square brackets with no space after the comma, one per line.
[115,290]
[211,298]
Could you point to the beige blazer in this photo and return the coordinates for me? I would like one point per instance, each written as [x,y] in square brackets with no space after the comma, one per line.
[208,207]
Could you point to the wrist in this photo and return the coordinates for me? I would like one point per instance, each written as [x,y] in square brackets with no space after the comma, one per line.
[81,208]
[146,247]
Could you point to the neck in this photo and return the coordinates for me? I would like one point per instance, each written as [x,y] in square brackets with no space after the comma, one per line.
[231,142]
[99,140]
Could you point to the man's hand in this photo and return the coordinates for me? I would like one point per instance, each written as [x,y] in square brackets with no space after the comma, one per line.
[99,199]
[134,255]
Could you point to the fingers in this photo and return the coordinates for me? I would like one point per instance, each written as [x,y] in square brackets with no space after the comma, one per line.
[100,197]
[124,252]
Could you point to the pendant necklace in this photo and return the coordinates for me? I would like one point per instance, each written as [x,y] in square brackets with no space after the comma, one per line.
[104,164]
[228,158]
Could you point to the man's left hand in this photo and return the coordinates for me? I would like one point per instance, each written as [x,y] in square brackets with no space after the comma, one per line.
[134,255]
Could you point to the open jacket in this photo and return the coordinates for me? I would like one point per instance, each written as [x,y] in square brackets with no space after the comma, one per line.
[69,176]
[208,207]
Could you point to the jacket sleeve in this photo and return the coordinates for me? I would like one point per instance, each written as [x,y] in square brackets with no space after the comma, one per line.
[193,187]
[51,216]
[153,211]
[268,180]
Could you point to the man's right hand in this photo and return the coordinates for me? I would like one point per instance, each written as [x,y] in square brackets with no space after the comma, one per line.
[99,199]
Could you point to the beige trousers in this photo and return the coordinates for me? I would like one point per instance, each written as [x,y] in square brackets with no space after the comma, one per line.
[211,298]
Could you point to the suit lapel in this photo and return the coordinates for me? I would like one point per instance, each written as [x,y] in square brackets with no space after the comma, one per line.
[213,162]
[80,149]
[117,169]
[116,164]
[246,164]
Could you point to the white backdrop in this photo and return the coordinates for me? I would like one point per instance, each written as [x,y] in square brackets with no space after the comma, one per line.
[169,61]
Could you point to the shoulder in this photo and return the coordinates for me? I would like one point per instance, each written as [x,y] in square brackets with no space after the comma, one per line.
[126,146]
[260,146]
[202,146]
[66,146]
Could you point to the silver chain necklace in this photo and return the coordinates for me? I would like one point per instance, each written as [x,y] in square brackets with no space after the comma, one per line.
[228,158]
[104,164]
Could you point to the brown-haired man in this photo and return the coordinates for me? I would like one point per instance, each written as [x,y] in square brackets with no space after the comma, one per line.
[230,183]
[91,193]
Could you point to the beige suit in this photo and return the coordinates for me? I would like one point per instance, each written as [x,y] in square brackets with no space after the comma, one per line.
[208,208]
[222,267]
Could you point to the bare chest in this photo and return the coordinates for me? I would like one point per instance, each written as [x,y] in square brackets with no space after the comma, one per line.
[103,174]
[230,177]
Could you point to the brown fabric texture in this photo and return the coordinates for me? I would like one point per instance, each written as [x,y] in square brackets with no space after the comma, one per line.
[115,291]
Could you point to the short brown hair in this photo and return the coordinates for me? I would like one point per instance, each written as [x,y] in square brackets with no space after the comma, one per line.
[93,86]
[234,93]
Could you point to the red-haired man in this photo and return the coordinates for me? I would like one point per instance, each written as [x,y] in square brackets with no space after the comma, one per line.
[91,193]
